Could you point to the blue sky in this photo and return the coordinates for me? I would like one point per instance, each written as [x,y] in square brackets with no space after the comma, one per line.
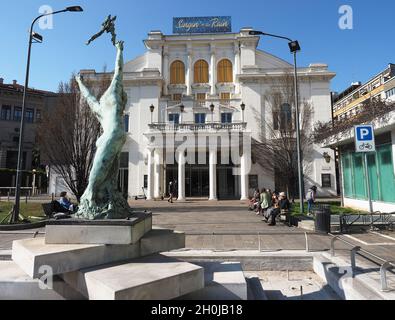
[355,55]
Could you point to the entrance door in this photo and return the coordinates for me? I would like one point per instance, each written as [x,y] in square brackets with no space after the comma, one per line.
[226,184]
[199,182]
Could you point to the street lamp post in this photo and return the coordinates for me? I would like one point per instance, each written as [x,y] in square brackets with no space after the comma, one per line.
[212,108]
[37,38]
[243,107]
[294,48]
[152,109]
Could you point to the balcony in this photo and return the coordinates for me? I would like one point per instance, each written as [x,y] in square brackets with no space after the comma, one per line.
[198,127]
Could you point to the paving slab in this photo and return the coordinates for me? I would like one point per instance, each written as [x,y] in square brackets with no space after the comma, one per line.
[152,278]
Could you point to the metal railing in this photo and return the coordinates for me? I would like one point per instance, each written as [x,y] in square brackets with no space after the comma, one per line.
[374,219]
[385,265]
[196,127]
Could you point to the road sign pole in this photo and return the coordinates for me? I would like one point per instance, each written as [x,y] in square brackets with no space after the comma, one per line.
[365,143]
[368,184]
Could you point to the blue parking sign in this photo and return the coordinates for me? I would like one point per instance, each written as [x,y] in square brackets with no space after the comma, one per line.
[364,138]
[365,133]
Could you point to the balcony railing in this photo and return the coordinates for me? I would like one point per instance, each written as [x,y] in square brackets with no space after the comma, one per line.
[196,127]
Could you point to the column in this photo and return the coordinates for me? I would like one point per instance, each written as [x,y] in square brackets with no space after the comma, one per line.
[213,71]
[157,173]
[189,72]
[165,66]
[236,67]
[244,177]
[150,189]
[213,174]
[181,176]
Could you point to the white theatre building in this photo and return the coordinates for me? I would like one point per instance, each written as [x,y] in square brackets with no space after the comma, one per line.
[185,121]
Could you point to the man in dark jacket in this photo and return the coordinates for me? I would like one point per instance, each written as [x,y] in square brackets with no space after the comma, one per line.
[171,191]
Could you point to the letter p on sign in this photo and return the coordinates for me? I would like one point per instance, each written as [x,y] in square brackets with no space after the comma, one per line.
[364,134]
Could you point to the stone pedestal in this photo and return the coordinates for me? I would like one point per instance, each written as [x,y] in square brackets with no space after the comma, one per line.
[110,232]
[100,260]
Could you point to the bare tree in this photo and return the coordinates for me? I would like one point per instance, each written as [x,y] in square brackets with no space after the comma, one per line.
[276,150]
[370,110]
[67,136]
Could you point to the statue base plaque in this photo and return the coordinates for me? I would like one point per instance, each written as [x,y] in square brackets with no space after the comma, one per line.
[110,232]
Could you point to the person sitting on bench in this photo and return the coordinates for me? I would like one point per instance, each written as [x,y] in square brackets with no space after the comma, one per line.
[285,206]
[65,203]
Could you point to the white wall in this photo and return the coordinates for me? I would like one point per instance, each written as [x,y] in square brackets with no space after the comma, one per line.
[364,205]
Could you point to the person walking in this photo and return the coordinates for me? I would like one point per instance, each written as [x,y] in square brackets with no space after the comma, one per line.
[171,191]
[310,197]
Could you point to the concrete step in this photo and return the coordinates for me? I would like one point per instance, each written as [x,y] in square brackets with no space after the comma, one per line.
[31,254]
[251,260]
[151,278]
[223,281]
[16,285]
[337,274]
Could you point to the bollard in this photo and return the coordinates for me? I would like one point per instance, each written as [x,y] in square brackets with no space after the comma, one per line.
[26,199]
[53,197]
[8,196]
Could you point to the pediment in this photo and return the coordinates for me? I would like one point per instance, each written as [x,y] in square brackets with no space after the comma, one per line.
[268,61]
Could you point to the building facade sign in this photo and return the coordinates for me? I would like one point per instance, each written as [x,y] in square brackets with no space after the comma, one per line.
[202,25]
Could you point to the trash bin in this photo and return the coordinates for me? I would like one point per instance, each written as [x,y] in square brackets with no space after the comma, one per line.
[322,215]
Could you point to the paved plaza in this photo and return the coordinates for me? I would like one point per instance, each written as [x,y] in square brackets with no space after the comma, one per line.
[229,226]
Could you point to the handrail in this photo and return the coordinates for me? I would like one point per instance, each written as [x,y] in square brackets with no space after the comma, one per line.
[384,266]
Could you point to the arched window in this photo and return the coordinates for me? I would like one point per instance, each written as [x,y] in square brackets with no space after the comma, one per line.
[225,71]
[201,72]
[177,72]
[283,119]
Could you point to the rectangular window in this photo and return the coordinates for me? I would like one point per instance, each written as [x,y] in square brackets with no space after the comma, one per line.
[12,160]
[126,122]
[174,118]
[253,182]
[275,120]
[38,115]
[145,181]
[326,180]
[177,97]
[200,118]
[17,114]
[226,117]
[390,93]
[6,113]
[201,97]
[29,115]
[124,162]
[225,98]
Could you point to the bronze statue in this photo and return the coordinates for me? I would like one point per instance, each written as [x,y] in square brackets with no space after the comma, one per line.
[109,27]
[102,199]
